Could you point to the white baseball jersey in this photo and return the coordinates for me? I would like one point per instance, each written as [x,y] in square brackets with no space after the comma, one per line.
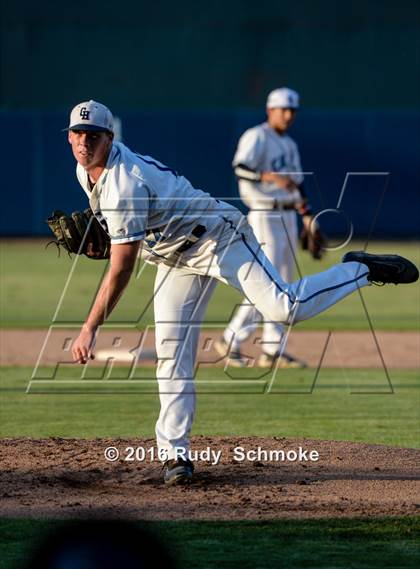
[261,149]
[138,197]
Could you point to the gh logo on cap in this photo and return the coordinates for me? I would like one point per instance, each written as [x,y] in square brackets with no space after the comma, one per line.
[84,113]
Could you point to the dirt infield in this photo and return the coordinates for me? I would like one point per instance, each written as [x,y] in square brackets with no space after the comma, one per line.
[71,478]
[339,349]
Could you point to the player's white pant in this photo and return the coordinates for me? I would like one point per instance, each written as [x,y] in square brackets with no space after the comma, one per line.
[232,255]
[180,302]
[277,233]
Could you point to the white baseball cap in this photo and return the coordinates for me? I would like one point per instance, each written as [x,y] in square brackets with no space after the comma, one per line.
[283,98]
[91,115]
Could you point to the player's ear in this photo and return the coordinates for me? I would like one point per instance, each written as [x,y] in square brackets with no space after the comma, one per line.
[69,136]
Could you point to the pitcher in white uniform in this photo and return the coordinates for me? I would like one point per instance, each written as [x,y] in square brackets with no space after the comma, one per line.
[195,240]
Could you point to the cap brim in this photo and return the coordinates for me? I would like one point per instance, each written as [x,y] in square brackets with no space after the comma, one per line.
[88,127]
[282,107]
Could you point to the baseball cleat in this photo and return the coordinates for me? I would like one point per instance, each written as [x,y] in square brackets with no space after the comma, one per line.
[284,361]
[385,268]
[235,358]
[178,472]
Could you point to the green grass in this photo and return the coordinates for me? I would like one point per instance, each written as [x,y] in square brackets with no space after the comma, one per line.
[34,278]
[315,544]
[334,410]
[32,282]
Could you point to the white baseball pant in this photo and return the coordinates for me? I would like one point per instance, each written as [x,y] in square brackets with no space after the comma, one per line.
[231,254]
[277,233]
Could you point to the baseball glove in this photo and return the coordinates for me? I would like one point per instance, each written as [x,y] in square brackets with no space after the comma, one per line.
[313,240]
[81,233]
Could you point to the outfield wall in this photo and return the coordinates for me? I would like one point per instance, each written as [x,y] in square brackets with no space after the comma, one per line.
[219,55]
[187,78]
[38,168]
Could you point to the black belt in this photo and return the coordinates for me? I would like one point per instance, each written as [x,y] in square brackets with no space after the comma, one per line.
[285,207]
[194,236]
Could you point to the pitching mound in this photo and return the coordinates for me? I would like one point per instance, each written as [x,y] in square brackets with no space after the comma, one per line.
[255,478]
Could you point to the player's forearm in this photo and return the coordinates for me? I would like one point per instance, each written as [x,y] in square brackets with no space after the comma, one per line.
[110,292]
[256,198]
[282,180]
[123,258]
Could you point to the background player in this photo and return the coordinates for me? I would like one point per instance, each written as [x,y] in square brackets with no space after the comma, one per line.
[195,240]
[267,165]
